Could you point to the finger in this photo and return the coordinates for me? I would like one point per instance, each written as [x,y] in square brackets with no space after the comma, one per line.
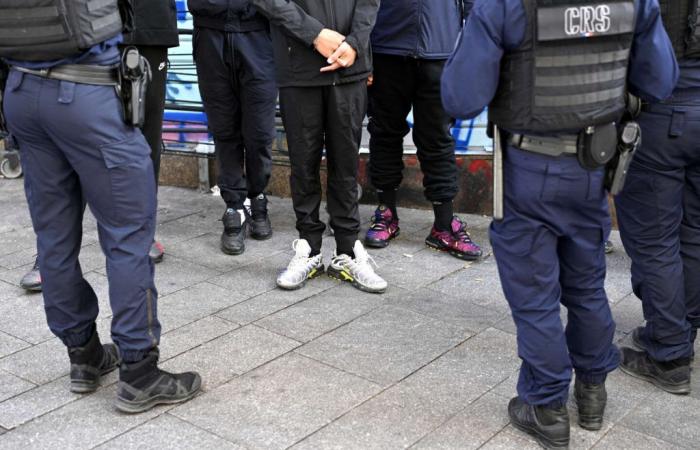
[331,68]
[340,51]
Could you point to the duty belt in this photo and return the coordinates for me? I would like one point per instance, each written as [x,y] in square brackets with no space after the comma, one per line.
[78,73]
[550,146]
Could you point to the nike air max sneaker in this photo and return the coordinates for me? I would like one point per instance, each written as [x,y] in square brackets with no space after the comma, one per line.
[301,268]
[357,270]
[456,242]
[383,228]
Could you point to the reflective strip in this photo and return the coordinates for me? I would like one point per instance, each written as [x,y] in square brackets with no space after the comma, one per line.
[582,60]
[106,21]
[580,79]
[12,15]
[579,99]
[94,5]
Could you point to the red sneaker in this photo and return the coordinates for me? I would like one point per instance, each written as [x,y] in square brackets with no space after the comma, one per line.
[456,242]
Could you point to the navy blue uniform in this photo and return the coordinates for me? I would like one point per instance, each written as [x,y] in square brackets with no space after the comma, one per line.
[659,217]
[550,245]
[77,149]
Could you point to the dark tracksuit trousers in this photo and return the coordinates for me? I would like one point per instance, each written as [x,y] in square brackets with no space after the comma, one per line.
[402,82]
[659,216]
[315,117]
[152,130]
[76,149]
[237,83]
[550,251]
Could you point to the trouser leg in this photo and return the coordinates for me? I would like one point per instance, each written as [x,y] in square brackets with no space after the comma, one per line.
[304,115]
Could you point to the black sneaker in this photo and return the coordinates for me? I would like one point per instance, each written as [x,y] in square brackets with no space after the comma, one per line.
[671,376]
[591,400]
[142,385]
[233,237]
[89,363]
[260,226]
[549,426]
[31,281]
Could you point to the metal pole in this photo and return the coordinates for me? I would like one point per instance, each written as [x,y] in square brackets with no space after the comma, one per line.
[498,195]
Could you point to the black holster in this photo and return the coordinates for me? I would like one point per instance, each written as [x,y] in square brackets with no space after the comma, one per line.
[630,139]
[134,76]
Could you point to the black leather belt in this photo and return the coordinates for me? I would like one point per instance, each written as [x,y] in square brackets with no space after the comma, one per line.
[550,146]
[78,73]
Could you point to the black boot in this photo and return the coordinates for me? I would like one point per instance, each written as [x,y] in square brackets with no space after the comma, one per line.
[260,226]
[550,426]
[591,400]
[671,376]
[89,363]
[142,385]
[31,281]
[233,237]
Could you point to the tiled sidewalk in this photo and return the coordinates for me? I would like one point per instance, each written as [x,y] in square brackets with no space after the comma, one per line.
[430,364]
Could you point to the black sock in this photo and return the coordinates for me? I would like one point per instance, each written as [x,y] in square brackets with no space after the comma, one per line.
[388,199]
[443,215]
[314,253]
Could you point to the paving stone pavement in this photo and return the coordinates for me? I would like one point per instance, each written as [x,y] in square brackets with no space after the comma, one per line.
[430,364]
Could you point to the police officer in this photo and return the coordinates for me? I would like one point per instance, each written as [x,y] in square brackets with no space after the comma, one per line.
[554,73]
[408,62]
[153,36]
[77,148]
[659,217]
[236,72]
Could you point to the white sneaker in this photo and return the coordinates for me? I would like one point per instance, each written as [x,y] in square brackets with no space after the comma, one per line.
[358,271]
[301,267]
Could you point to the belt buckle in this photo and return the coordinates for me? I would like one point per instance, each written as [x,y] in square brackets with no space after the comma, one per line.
[44,73]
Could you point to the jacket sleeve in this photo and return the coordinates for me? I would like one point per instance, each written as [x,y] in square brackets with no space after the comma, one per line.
[362,24]
[291,18]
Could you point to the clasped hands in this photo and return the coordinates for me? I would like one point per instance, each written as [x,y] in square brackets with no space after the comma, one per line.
[338,53]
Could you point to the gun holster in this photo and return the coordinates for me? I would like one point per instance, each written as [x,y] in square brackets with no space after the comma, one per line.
[596,146]
[134,77]
[630,140]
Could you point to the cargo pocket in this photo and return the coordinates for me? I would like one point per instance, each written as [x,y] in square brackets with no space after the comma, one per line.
[130,171]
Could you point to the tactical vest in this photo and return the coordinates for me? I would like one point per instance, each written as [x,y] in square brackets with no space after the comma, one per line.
[47,30]
[682,22]
[570,72]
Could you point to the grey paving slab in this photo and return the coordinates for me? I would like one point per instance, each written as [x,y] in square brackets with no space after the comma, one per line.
[174,274]
[24,317]
[471,428]
[667,417]
[254,279]
[477,283]
[627,313]
[10,344]
[193,335]
[11,386]
[169,432]
[624,438]
[458,311]
[386,345]
[193,303]
[85,423]
[425,267]
[9,286]
[36,402]
[18,259]
[278,404]
[275,300]
[510,438]
[232,354]
[618,284]
[175,231]
[321,313]
[39,364]
[16,238]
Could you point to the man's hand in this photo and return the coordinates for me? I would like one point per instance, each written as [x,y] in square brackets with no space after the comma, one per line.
[328,41]
[342,58]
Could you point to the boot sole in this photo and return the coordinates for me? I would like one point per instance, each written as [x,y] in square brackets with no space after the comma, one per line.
[232,252]
[261,237]
[128,407]
[316,274]
[541,439]
[451,252]
[338,276]
[681,389]
[381,244]
[32,288]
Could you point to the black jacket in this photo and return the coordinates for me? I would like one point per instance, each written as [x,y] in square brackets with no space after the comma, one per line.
[297,23]
[155,23]
[233,16]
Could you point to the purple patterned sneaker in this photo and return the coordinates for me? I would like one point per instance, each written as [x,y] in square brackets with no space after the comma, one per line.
[384,227]
[457,243]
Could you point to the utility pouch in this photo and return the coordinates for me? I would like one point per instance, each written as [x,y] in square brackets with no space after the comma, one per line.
[134,76]
[596,146]
[616,171]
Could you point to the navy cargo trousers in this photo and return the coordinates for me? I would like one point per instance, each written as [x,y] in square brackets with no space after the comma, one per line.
[77,150]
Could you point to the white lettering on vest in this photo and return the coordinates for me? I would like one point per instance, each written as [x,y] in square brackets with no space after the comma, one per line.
[587,20]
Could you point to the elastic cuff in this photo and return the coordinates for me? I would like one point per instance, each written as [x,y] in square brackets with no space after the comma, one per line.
[132,356]
[79,338]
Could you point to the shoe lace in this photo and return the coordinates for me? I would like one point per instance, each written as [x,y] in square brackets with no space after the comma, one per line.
[462,235]
[363,262]
[300,261]
[378,222]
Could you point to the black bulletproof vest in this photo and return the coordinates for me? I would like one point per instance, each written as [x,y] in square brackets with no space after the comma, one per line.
[46,30]
[682,22]
[570,71]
